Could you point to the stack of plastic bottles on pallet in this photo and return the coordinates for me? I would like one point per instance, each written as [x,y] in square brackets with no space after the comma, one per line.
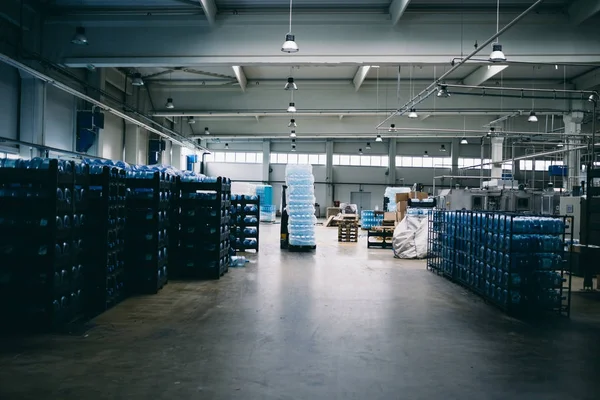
[106,244]
[42,269]
[149,193]
[516,262]
[204,231]
[245,211]
[300,205]
[267,209]
[369,219]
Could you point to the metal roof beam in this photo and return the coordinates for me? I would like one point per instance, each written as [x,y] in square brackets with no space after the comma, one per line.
[397,9]
[582,10]
[210,10]
[240,76]
[482,74]
[360,76]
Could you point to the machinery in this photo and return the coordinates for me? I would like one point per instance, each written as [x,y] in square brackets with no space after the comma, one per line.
[571,207]
[284,239]
[493,199]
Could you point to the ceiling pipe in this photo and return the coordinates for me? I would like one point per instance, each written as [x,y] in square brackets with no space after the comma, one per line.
[48,148]
[173,136]
[429,90]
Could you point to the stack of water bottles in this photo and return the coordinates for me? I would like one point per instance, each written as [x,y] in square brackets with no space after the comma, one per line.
[245,225]
[369,219]
[267,209]
[390,196]
[300,205]
[515,262]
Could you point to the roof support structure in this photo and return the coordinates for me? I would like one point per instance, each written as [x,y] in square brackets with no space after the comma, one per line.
[581,10]
[210,10]
[589,80]
[360,76]
[397,9]
[483,73]
[240,76]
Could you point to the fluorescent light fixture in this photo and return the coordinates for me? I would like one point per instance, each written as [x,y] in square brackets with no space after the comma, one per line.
[191,120]
[532,117]
[379,139]
[464,140]
[368,146]
[291,108]
[291,85]
[560,144]
[293,134]
[206,131]
[497,53]
[79,38]
[137,80]
[413,113]
[290,46]
[169,104]
[443,148]
[426,154]
[292,123]
[443,91]
[392,128]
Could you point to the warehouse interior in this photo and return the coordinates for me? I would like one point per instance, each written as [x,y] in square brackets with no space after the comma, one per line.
[477,105]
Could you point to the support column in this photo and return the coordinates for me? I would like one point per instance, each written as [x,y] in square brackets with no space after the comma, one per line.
[33,105]
[132,143]
[176,156]
[392,162]
[329,173]
[572,158]
[266,165]
[454,154]
[496,156]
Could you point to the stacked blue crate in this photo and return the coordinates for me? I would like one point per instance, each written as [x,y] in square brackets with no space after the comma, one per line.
[245,212]
[369,219]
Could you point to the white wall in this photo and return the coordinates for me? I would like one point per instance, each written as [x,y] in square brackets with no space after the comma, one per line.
[110,140]
[236,172]
[9,99]
[59,119]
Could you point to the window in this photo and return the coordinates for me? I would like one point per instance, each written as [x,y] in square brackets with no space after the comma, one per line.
[322,159]
[302,158]
[234,157]
[250,157]
[219,156]
[375,161]
[259,158]
[344,160]
[240,157]
[273,158]
[365,161]
[209,157]
[313,159]
[336,159]
[292,158]
[428,162]
[417,161]
[230,157]
[282,158]
[354,160]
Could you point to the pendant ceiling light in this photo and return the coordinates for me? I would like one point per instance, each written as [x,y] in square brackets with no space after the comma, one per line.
[137,79]
[292,123]
[426,154]
[532,117]
[360,151]
[293,134]
[379,139]
[206,131]
[593,98]
[464,140]
[443,148]
[79,38]
[413,113]
[191,120]
[443,91]
[290,46]
[392,128]
[497,53]
[491,131]
[560,144]
[291,85]
[368,146]
[169,104]
[292,107]
[226,145]
[293,147]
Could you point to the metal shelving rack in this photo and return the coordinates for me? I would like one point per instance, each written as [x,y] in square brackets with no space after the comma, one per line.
[515,262]
[106,237]
[42,274]
[204,233]
[245,213]
[434,240]
[147,230]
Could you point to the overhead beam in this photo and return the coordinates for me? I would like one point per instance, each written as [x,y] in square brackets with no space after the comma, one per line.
[482,74]
[240,76]
[582,10]
[210,10]
[397,9]
[360,76]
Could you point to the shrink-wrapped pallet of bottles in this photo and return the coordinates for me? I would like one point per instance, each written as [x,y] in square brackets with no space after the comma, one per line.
[301,205]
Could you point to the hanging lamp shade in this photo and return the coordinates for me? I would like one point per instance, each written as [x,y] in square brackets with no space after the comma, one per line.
[443,148]
[464,140]
[379,139]
[292,123]
[79,38]
[291,85]
[413,113]
[293,134]
[292,108]
[368,146]
[426,154]
[392,128]
[137,79]
[532,117]
[497,53]
[169,104]
[191,120]
[289,45]
[443,92]
[206,131]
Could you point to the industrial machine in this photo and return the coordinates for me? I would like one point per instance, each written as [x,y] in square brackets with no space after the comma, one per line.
[571,207]
[493,199]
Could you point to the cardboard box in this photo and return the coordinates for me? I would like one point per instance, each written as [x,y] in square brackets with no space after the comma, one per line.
[400,215]
[401,197]
[401,206]
[389,216]
[418,195]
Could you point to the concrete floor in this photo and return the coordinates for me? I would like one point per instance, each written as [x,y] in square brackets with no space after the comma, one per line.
[342,323]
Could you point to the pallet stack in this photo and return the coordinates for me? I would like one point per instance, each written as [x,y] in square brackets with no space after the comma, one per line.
[147,239]
[107,197]
[245,214]
[204,232]
[42,273]
[348,231]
